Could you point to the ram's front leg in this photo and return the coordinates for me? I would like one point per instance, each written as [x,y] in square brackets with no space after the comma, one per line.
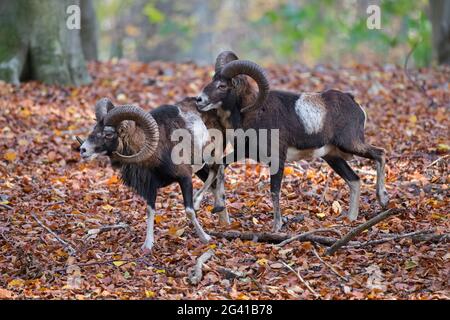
[186,189]
[149,238]
[198,197]
[275,188]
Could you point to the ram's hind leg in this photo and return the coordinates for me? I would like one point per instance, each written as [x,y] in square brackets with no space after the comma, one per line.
[351,178]
[378,155]
[219,197]
[186,189]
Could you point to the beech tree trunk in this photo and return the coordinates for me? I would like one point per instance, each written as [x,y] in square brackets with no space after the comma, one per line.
[440,22]
[36,44]
[89,30]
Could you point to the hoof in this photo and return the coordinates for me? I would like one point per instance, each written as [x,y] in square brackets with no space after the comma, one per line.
[224,218]
[345,215]
[205,238]
[147,248]
[383,199]
[277,226]
[352,215]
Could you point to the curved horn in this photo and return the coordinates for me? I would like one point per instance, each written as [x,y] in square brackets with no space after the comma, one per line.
[142,119]
[80,141]
[102,107]
[254,71]
[223,58]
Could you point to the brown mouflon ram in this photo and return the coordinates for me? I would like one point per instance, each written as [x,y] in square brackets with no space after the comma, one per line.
[139,144]
[327,125]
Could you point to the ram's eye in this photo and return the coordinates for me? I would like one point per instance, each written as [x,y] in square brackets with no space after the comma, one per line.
[222,86]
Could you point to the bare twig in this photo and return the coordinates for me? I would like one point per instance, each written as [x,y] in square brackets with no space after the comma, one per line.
[5,206]
[64,243]
[328,265]
[396,237]
[297,273]
[437,160]
[273,237]
[421,88]
[92,233]
[104,262]
[197,274]
[356,231]
[306,234]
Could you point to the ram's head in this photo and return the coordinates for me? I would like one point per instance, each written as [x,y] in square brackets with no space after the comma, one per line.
[115,123]
[228,79]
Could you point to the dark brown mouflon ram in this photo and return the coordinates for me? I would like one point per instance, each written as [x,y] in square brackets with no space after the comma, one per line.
[327,125]
[139,144]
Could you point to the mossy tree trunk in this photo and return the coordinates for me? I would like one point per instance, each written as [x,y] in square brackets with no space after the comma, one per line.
[36,44]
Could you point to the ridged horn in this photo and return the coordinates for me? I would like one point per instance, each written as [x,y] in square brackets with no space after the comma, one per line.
[254,71]
[80,141]
[102,107]
[223,58]
[145,121]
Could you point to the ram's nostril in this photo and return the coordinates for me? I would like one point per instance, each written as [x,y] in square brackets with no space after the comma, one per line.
[82,150]
[199,99]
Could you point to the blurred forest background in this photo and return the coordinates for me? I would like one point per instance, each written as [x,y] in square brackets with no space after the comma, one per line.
[35,44]
[281,31]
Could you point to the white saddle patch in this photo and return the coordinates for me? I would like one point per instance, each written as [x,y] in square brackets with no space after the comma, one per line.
[311,112]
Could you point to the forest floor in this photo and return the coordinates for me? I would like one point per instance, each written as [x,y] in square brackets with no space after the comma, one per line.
[44,186]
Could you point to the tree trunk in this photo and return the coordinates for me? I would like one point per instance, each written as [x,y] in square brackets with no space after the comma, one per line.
[36,44]
[89,30]
[440,21]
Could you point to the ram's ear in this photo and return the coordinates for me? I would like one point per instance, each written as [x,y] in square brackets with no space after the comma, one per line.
[235,82]
[126,126]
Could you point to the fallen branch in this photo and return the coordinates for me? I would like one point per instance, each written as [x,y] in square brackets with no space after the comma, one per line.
[92,233]
[357,230]
[432,237]
[306,235]
[64,243]
[437,160]
[413,235]
[328,265]
[104,262]
[271,237]
[302,280]
[197,274]
[230,274]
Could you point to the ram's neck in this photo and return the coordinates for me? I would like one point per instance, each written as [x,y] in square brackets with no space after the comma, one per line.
[229,113]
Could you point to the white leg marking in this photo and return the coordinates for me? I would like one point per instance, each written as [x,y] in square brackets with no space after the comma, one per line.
[149,238]
[382,195]
[219,198]
[198,197]
[277,222]
[355,192]
[204,237]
